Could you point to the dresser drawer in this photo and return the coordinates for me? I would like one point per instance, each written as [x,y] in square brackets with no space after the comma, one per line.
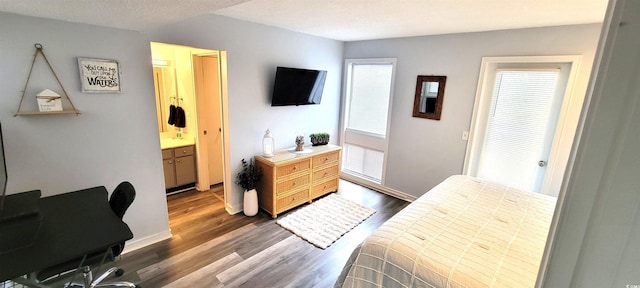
[293,184]
[167,154]
[290,201]
[292,168]
[326,173]
[325,159]
[183,151]
[324,188]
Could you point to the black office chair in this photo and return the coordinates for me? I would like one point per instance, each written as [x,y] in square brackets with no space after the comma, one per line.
[120,200]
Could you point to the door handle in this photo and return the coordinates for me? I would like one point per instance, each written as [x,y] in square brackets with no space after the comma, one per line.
[542,163]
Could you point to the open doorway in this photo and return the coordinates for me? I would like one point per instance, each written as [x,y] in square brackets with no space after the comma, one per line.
[194,80]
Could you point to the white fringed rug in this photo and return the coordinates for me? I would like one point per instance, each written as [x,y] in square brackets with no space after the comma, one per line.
[324,221]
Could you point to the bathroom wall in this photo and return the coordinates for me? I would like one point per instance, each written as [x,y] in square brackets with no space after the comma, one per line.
[179,58]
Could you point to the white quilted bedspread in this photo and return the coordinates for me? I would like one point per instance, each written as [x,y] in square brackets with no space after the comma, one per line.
[465,232]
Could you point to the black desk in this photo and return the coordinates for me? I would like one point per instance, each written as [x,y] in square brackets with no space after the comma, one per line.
[73,224]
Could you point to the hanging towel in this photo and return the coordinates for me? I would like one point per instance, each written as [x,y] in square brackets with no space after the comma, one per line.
[172,114]
[180,118]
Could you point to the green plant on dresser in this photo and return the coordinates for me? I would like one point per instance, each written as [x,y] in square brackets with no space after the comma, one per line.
[319,139]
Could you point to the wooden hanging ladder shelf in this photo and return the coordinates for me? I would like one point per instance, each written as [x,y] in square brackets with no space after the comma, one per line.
[73,109]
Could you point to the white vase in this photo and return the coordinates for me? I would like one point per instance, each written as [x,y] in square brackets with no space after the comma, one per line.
[250,202]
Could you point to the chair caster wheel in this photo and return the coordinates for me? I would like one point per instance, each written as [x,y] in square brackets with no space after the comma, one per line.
[138,286]
[119,272]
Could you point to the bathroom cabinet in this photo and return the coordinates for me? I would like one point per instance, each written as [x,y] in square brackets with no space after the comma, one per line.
[179,166]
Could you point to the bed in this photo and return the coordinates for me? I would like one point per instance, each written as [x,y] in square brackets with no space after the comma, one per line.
[465,232]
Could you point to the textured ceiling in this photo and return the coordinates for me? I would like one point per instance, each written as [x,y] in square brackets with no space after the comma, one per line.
[345,20]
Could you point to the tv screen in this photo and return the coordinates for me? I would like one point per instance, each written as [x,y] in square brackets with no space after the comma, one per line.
[294,86]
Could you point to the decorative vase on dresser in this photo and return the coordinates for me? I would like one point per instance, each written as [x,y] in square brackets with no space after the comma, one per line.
[291,179]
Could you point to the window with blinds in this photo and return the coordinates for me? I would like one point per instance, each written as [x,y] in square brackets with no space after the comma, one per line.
[369,83]
[520,127]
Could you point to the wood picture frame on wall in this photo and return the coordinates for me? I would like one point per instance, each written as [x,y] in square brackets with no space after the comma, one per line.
[99,75]
[429,97]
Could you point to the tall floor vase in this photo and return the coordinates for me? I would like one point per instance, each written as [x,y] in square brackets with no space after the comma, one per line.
[250,202]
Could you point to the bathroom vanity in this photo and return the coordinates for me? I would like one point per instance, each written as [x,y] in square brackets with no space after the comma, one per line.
[178,159]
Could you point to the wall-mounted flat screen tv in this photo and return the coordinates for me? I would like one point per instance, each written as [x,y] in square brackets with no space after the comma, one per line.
[3,172]
[294,86]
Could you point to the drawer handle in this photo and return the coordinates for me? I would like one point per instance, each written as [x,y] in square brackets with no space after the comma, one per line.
[326,159]
[170,162]
[293,184]
[177,160]
[325,174]
[293,199]
[294,168]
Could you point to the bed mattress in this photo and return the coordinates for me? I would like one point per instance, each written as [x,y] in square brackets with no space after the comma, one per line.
[465,232]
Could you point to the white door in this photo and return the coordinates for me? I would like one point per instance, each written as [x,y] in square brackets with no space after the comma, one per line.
[520,127]
[214,125]
[207,80]
[366,108]
[516,124]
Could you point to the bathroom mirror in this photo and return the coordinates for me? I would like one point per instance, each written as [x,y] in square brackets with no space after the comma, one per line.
[164,78]
[429,97]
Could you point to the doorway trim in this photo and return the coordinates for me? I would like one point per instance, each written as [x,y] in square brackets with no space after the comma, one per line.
[226,144]
[223,78]
[567,121]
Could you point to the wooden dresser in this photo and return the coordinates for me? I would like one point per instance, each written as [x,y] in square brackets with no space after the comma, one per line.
[292,179]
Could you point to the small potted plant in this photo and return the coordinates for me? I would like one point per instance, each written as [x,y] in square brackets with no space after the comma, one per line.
[319,139]
[247,179]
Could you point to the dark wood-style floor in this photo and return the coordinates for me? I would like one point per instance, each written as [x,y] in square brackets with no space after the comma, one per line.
[211,248]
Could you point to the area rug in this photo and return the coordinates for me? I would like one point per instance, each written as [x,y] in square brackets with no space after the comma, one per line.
[324,221]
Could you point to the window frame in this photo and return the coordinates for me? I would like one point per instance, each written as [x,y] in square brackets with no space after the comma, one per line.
[377,142]
[567,120]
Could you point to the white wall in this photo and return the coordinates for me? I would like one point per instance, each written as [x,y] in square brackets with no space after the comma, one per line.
[599,225]
[423,152]
[254,51]
[115,139]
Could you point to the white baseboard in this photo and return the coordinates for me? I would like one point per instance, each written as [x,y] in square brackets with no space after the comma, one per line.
[233,209]
[395,193]
[377,187]
[146,241]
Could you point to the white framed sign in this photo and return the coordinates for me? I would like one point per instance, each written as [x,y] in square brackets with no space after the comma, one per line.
[99,75]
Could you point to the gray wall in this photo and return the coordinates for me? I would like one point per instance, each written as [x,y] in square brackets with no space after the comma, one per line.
[253,53]
[115,139]
[434,150]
